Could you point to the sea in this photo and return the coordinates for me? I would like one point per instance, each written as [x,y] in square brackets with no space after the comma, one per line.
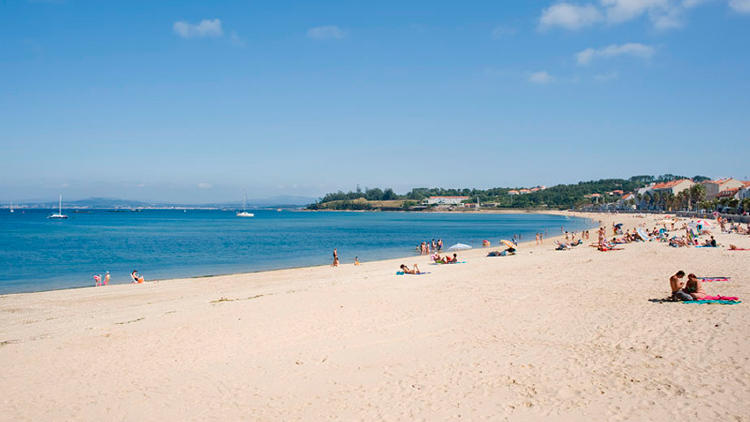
[38,254]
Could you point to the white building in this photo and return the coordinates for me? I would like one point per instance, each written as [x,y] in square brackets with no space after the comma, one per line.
[446,200]
[714,187]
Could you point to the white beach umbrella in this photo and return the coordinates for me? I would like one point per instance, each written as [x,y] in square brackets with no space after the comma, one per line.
[459,247]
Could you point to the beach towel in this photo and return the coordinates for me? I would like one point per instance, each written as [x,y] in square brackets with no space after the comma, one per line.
[403,273]
[448,263]
[706,246]
[610,249]
[714,302]
[710,279]
[739,249]
[735,298]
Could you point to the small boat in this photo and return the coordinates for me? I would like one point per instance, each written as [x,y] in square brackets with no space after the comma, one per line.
[244,212]
[278,210]
[59,215]
[11,207]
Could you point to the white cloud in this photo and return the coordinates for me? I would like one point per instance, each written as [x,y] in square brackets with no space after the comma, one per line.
[326,32]
[204,185]
[569,16]
[540,78]
[623,10]
[663,14]
[630,49]
[205,28]
[501,31]
[742,6]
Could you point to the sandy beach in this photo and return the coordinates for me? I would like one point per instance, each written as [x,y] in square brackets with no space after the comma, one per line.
[562,335]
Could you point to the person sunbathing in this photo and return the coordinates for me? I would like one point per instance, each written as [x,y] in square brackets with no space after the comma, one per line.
[406,269]
[678,292]
[561,246]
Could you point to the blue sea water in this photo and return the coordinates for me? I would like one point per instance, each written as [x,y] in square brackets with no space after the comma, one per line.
[41,254]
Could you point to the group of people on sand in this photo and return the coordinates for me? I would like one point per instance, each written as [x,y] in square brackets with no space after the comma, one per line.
[425,248]
[730,227]
[571,236]
[692,289]
[336,262]
[104,281]
[540,238]
[99,281]
[447,259]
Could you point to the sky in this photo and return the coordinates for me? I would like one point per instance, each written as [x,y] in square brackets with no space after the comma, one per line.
[199,101]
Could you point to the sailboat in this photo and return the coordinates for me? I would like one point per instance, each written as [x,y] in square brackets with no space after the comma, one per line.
[59,215]
[11,207]
[244,212]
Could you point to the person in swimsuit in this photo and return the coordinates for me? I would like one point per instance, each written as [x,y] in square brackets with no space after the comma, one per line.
[694,287]
[356,260]
[106,278]
[137,278]
[335,258]
[406,269]
[677,287]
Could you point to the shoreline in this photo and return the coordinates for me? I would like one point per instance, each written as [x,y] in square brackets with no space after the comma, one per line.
[302,267]
[544,334]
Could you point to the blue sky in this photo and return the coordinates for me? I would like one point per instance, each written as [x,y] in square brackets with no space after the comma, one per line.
[200,100]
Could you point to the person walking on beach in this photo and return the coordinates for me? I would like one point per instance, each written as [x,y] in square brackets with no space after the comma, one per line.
[335,258]
[98,280]
[537,239]
[106,278]
[356,260]
[541,238]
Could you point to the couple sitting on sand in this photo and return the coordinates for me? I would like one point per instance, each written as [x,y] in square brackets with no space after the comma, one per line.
[445,260]
[692,289]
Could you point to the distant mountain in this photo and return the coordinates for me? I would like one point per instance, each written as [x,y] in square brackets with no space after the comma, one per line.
[280,201]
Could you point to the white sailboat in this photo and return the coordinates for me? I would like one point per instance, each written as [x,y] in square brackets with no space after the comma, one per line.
[59,215]
[11,207]
[244,212]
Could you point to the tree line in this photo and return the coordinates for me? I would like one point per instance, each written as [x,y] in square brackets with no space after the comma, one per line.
[563,196]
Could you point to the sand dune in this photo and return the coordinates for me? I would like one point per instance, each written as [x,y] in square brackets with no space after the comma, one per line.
[564,335]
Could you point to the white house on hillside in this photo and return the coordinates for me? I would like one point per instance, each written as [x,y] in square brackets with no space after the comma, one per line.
[446,200]
[714,187]
[675,186]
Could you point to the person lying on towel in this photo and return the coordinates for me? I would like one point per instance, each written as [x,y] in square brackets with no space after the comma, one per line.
[406,269]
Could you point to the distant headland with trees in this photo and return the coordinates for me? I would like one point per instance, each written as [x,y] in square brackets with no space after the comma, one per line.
[664,192]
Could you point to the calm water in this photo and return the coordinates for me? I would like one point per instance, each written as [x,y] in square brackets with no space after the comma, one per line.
[41,254]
